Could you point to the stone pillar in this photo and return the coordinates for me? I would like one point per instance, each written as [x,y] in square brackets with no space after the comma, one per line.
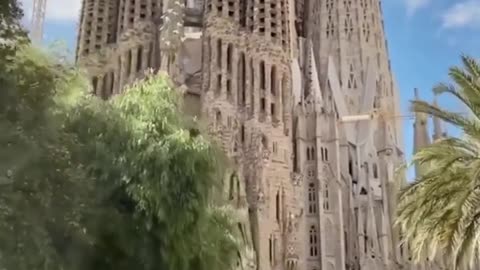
[133,68]
[234,58]
[268,94]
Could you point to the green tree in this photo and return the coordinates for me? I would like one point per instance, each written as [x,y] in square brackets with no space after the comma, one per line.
[117,184]
[11,33]
[440,212]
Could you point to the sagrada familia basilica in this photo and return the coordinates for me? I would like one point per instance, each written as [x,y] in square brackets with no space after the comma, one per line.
[300,95]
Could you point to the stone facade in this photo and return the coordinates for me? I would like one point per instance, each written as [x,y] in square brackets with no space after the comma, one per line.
[274,81]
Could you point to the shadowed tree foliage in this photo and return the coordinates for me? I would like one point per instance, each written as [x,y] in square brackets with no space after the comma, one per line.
[11,32]
[440,212]
[93,184]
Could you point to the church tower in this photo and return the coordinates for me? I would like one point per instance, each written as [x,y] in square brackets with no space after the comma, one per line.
[300,95]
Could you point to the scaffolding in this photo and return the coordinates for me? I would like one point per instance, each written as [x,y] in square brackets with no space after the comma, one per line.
[38,18]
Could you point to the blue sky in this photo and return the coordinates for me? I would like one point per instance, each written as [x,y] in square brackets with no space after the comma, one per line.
[425,38]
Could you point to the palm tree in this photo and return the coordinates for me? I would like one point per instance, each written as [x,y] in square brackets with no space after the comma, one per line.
[439,213]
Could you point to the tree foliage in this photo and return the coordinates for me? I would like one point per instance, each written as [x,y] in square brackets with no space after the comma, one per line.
[93,184]
[440,212]
[11,33]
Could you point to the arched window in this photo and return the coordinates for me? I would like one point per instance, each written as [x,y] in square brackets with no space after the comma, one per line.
[264,142]
[218,117]
[326,154]
[313,241]
[312,154]
[229,57]
[231,187]
[262,75]
[273,81]
[139,58]
[375,170]
[326,201]
[308,153]
[277,206]
[322,153]
[219,53]
[242,133]
[241,79]
[129,62]
[252,86]
[312,199]
[94,84]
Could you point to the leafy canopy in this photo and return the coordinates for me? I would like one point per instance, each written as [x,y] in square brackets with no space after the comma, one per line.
[93,184]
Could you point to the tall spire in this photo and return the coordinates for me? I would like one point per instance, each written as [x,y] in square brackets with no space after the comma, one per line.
[438,132]
[420,132]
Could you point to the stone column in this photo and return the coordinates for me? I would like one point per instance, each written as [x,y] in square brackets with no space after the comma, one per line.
[134,62]
[234,76]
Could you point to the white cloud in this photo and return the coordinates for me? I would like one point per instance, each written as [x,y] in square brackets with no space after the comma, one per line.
[57,10]
[414,5]
[462,14]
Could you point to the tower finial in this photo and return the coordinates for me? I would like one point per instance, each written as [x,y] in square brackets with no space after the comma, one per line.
[437,123]
[420,132]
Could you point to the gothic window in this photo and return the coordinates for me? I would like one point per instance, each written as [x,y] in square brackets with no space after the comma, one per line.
[262,75]
[375,170]
[219,82]
[308,153]
[218,118]
[129,62]
[365,244]
[322,153]
[312,153]
[231,8]
[229,88]
[264,142]
[219,53]
[350,167]
[262,105]
[231,192]
[252,91]
[313,241]
[94,84]
[273,19]
[273,80]
[243,13]
[277,206]
[241,80]
[326,200]
[111,82]
[139,58]
[326,154]
[272,243]
[105,86]
[312,199]
[242,133]
[229,57]
[352,81]
[367,32]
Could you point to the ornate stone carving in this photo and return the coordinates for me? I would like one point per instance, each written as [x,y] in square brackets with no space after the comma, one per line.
[291,254]
[266,154]
[297,178]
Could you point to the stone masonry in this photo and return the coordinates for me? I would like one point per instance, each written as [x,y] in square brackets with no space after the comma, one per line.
[273,80]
